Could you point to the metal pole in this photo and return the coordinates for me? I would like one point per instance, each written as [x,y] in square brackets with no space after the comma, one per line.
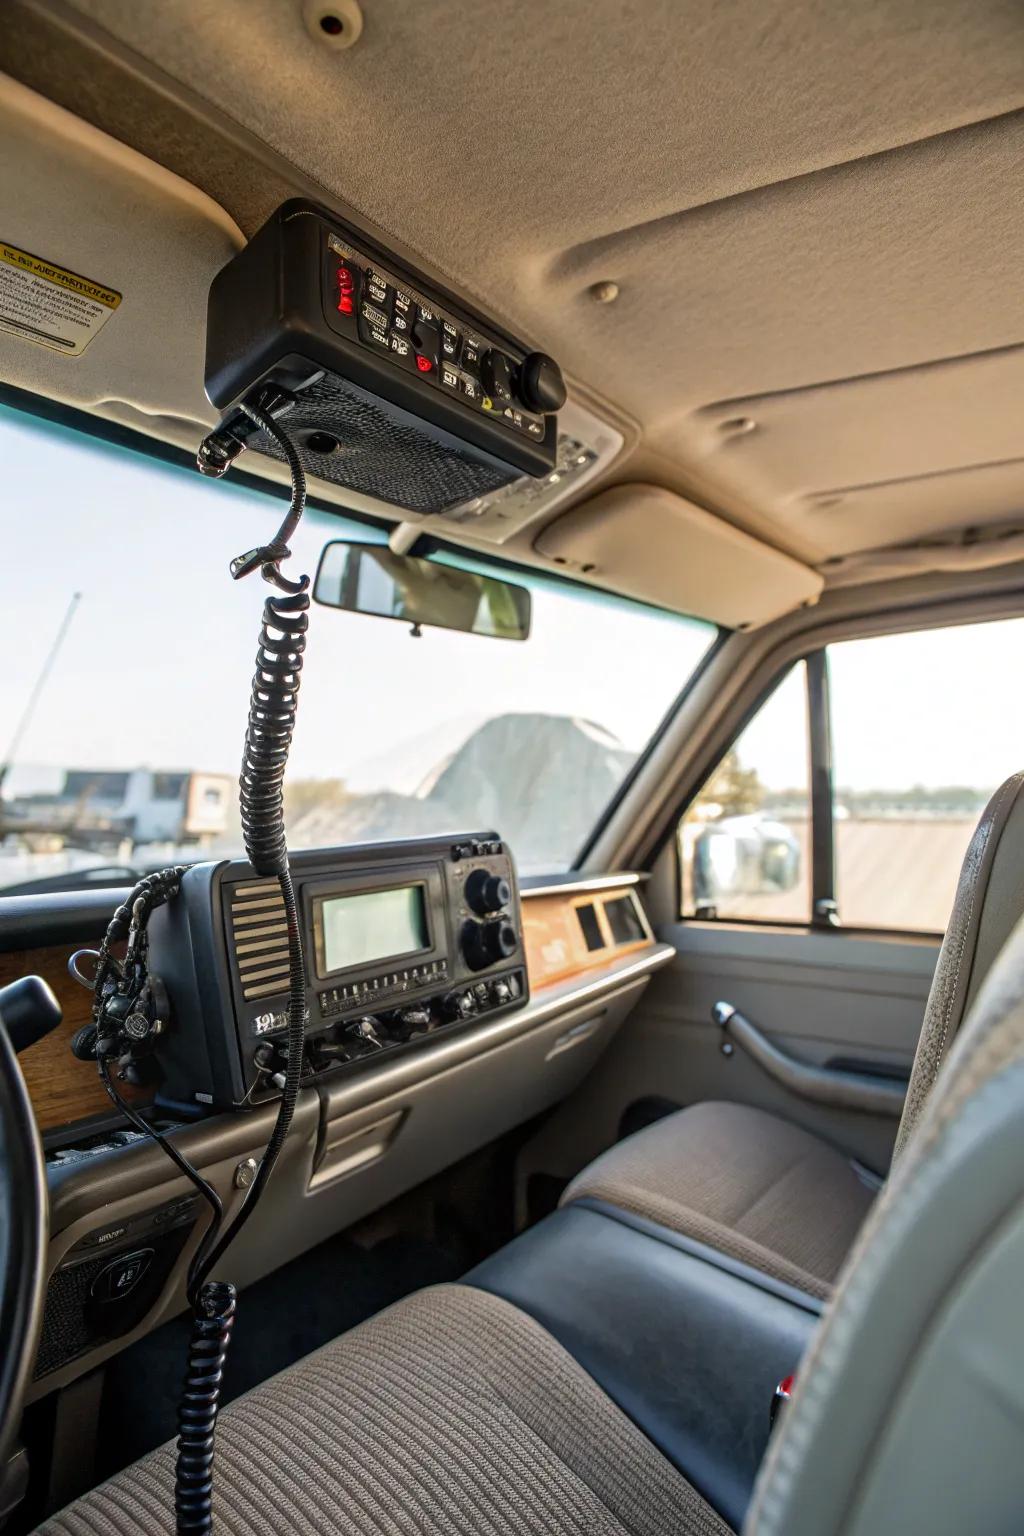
[39,685]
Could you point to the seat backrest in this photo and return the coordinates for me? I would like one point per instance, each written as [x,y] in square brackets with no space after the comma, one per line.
[908,1414]
[988,904]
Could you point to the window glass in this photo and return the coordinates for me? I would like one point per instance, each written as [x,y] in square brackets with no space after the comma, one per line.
[924,727]
[744,843]
[122,746]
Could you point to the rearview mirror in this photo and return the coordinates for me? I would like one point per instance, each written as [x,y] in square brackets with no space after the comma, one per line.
[370,578]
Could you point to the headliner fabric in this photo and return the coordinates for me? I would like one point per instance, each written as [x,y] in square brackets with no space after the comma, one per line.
[988,904]
[450,1413]
[743,1181]
[815,195]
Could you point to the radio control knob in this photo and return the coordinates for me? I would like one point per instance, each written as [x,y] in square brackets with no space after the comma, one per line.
[459,1005]
[413,1020]
[496,375]
[484,944]
[486,893]
[541,386]
[365,1031]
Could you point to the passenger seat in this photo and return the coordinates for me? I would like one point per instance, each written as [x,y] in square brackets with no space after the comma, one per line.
[763,1191]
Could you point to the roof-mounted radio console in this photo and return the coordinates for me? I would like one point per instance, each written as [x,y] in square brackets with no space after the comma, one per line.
[401,391]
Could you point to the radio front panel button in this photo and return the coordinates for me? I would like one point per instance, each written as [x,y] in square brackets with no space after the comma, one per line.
[426,335]
[425,341]
[121,1277]
[374,316]
[378,290]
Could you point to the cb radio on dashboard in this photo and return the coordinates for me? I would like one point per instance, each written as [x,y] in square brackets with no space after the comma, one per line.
[392,386]
[404,941]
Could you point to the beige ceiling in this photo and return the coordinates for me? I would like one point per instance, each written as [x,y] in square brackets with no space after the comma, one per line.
[813,212]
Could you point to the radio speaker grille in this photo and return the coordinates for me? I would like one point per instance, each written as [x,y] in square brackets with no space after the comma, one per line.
[259,932]
[379,452]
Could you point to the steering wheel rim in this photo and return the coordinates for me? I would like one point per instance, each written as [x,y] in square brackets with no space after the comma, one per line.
[23,1233]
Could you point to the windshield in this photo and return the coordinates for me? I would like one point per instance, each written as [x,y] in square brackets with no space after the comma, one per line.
[129,656]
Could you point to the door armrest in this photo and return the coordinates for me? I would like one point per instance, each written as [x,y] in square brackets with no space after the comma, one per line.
[869,1093]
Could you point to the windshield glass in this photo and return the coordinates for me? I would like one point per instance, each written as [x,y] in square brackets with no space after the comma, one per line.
[129,656]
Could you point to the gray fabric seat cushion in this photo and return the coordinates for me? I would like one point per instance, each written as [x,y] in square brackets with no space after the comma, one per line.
[743,1181]
[450,1413]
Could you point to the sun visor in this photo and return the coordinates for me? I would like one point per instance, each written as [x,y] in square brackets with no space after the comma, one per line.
[106,261]
[651,544]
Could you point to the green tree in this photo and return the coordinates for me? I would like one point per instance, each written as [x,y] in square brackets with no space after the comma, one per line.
[736,789]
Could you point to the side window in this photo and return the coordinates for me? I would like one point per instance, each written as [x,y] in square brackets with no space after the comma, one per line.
[744,843]
[925,726]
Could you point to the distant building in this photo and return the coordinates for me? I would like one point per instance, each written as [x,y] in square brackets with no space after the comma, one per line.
[145,805]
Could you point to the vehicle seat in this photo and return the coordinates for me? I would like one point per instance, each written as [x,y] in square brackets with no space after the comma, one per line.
[451,1412]
[455,1414]
[772,1195]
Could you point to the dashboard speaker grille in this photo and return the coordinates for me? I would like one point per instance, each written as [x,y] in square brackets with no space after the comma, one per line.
[259,932]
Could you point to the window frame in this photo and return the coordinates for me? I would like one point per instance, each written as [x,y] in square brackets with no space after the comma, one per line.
[825,912]
[764,696]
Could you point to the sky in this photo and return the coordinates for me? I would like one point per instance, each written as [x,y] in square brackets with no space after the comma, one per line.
[933,707]
[158,660]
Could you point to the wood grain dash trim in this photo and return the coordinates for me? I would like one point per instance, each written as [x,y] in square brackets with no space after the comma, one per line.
[555,947]
[62,1089]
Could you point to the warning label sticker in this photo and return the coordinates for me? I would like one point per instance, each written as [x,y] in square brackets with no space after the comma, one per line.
[49,305]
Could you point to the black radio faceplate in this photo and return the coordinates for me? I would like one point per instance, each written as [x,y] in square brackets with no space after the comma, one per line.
[401,391]
[402,940]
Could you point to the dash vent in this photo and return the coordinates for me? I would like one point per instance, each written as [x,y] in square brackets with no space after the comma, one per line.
[260,933]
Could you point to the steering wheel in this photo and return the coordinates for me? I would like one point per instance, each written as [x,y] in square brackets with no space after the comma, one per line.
[23,1214]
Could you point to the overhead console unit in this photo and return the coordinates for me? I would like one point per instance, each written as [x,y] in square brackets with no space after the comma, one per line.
[392,387]
[403,941]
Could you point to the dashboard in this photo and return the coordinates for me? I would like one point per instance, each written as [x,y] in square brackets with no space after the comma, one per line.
[389,924]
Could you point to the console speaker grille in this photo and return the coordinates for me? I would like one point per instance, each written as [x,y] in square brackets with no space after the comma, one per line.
[259,932]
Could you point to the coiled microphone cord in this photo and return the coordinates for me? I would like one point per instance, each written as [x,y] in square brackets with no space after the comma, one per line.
[268,737]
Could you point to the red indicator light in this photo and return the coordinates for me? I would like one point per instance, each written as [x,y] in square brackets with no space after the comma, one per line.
[344,277]
[346,304]
[423,363]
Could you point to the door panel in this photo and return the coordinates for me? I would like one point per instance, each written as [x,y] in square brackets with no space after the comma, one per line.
[822,996]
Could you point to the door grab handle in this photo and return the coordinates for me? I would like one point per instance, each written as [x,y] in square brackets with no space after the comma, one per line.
[870,1094]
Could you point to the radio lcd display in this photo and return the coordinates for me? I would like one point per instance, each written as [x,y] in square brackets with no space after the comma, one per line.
[371,925]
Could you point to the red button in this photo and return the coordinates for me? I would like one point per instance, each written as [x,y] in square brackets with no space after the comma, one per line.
[345,304]
[423,363]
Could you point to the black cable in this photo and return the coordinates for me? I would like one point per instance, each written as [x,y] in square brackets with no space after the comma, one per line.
[268,736]
[205,1189]
[212,1322]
